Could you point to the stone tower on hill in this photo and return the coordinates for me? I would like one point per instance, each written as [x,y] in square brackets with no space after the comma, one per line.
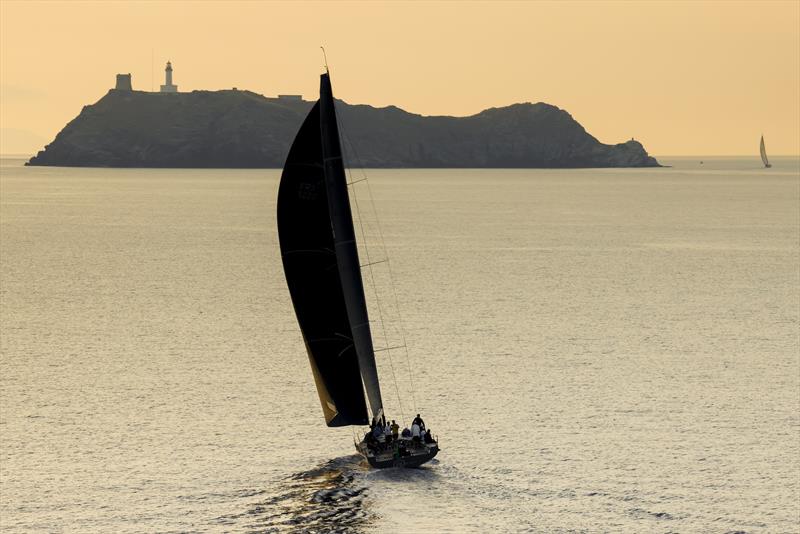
[124,82]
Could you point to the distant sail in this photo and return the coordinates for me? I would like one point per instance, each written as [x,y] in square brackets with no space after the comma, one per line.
[764,154]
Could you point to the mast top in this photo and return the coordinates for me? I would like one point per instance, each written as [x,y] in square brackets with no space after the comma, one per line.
[325,58]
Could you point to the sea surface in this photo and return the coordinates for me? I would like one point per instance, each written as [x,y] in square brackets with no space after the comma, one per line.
[597,350]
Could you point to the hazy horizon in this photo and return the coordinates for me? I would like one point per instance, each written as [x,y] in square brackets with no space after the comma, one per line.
[699,79]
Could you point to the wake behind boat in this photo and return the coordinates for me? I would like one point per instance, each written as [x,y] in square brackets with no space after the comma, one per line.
[323,272]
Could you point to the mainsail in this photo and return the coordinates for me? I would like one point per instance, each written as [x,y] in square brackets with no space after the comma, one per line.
[764,153]
[320,260]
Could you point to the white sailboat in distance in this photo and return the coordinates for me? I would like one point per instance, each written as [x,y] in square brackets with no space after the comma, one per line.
[764,154]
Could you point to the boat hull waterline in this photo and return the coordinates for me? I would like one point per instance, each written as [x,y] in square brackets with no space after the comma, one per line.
[415,456]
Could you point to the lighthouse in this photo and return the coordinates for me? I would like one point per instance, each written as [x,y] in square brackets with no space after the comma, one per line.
[168,87]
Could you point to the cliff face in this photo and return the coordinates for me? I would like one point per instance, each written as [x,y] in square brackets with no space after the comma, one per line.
[240,129]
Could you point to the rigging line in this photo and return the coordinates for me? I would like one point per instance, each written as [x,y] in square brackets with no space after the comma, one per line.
[379,307]
[373,263]
[389,348]
[374,285]
[380,311]
[389,267]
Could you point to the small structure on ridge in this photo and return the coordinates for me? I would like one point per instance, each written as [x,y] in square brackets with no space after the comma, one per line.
[124,82]
[168,87]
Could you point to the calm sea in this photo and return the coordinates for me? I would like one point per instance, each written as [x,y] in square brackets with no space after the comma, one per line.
[598,350]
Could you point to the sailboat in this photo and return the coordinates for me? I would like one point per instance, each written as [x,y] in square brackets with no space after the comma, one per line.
[764,154]
[320,261]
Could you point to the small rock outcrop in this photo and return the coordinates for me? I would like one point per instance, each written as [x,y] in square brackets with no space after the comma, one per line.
[241,129]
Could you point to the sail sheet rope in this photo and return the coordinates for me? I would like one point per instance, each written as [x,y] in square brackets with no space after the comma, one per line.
[404,344]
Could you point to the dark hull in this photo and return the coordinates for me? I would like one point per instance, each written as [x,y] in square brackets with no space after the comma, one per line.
[414,457]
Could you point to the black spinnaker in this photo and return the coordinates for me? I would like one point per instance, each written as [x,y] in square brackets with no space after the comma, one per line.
[320,260]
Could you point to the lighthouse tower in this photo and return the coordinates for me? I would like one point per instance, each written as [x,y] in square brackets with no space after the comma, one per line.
[168,87]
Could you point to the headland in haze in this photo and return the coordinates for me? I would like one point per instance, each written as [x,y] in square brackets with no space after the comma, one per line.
[241,129]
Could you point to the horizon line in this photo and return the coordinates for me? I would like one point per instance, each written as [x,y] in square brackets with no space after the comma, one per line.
[18,155]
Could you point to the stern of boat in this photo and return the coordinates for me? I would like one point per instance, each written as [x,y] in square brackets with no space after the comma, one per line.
[412,455]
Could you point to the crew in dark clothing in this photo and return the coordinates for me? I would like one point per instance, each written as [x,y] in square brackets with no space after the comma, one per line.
[418,421]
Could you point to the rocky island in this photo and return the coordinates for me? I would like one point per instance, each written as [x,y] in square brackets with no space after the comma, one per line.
[242,129]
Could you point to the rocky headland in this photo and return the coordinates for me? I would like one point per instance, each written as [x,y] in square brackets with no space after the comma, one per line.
[242,129]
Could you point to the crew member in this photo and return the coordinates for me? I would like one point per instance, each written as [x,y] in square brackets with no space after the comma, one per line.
[418,421]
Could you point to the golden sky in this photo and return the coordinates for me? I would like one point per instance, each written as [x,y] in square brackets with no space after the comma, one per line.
[693,78]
